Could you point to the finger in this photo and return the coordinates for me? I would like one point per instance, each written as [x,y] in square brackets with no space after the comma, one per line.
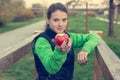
[63,45]
[85,58]
[79,58]
[82,58]
[70,42]
[68,46]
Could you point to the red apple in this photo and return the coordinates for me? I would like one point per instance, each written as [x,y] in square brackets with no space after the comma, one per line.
[59,38]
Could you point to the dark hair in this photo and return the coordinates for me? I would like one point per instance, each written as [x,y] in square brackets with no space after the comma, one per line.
[54,7]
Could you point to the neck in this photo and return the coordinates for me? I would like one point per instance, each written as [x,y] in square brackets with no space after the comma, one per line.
[50,32]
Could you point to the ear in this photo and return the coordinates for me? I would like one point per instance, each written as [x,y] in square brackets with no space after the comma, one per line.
[47,21]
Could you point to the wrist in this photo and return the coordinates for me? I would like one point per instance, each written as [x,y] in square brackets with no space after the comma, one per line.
[84,52]
[59,51]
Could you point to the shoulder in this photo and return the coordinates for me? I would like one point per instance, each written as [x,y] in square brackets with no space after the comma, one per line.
[74,34]
[39,39]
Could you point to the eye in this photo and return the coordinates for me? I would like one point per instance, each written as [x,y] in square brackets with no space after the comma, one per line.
[55,20]
[64,19]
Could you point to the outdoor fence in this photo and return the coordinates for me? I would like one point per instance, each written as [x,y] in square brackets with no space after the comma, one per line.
[105,60]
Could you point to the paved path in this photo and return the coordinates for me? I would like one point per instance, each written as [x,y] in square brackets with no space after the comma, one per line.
[104,19]
[8,39]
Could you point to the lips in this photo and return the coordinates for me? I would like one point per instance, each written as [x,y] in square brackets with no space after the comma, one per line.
[59,29]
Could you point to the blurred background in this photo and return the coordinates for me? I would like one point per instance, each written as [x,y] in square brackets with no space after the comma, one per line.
[84,15]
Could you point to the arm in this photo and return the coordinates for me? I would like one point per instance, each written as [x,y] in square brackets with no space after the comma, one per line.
[51,60]
[88,42]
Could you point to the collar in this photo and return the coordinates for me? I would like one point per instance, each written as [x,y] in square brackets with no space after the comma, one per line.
[50,32]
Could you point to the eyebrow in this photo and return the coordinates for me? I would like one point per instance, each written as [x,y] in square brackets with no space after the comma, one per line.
[65,19]
[58,19]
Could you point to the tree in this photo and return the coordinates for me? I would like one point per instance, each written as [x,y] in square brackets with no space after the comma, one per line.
[39,10]
[17,7]
[10,8]
[111,18]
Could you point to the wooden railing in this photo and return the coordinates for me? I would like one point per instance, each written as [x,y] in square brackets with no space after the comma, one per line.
[105,61]
[15,53]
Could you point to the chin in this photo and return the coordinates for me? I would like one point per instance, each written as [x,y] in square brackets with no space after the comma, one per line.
[59,32]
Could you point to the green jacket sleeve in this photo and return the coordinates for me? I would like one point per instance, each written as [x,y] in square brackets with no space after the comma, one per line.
[51,60]
[87,41]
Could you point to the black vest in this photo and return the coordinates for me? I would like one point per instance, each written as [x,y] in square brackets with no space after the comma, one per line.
[67,69]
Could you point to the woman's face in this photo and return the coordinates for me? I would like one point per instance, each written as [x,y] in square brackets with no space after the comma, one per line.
[58,21]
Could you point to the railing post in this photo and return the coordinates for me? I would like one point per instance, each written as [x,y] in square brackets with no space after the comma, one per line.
[96,68]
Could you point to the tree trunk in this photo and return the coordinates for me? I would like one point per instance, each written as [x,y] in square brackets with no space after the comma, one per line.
[111,19]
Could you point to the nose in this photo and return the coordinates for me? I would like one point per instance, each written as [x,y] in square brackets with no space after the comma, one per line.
[60,23]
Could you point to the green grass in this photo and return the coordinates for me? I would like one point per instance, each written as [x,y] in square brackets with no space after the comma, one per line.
[15,25]
[77,24]
[84,72]
[23,69]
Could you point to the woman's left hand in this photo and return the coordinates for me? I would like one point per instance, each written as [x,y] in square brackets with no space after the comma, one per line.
[82,57]
[66,46]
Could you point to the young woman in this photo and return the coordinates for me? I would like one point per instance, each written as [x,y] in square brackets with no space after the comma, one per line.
[54,62]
